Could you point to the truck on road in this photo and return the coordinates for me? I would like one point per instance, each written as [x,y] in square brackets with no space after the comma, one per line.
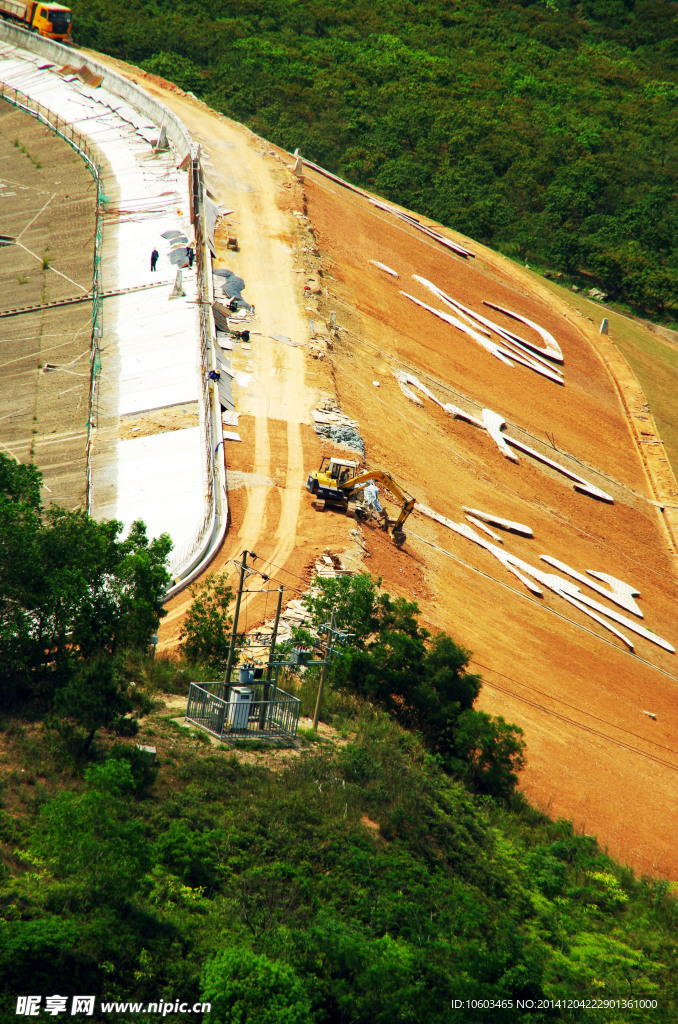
[51,20]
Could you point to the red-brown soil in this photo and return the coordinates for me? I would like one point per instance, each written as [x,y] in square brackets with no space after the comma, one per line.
[592,754]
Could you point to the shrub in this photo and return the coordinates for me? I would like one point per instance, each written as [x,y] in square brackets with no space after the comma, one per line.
[205,635]
[249,988]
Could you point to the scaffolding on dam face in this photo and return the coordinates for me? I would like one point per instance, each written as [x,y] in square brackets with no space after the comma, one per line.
[80,145]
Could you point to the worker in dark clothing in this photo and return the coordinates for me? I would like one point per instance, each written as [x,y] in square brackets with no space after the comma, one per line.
[214,375]
[233,305]
[245,335]
[191,256]
[155,256]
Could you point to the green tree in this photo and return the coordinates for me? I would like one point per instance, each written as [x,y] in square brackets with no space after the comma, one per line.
[92,839]
[191,855]
[176,68]
[93,697]
[392,661]
[69,587]
[354,601]
[205,634]
[244,987]
[491,752]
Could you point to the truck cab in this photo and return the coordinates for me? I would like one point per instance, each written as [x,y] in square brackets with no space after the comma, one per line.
[52,21]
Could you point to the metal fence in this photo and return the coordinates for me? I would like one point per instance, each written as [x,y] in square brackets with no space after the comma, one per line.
[214,707]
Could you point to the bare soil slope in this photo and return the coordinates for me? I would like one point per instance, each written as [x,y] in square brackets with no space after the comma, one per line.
[579,694]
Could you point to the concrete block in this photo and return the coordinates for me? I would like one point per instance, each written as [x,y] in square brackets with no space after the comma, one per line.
[551,347]
[481,526]
[387,270]
[620,593]
[150,752]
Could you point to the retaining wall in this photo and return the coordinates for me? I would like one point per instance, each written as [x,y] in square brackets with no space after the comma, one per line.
[115,83]
[158,113]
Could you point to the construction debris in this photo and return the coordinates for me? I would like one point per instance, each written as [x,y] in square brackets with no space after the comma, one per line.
[329,412]
[328,566]
[347,436]
[84,73]
[232,287]
[332,423]
[313,286]
[220,314]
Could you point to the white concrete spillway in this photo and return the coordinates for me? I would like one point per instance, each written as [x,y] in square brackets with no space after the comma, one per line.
[150,348]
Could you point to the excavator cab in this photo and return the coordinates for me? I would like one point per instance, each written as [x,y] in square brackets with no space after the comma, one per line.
[333,472]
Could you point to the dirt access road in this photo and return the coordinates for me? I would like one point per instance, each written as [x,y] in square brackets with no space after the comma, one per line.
[274,389]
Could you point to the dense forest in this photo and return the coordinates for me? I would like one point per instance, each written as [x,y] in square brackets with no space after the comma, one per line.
[547,129]
[385,870]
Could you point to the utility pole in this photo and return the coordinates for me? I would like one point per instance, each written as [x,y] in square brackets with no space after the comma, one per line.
[231,650]
[274,636]
[269,670]
[323,676]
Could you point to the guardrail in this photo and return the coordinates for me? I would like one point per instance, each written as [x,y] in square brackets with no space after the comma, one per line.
[213,528]
[111,80]
[212,707]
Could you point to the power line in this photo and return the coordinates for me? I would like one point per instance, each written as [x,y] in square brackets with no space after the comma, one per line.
[545,607]
[566,704]
[274,579]
[587,728]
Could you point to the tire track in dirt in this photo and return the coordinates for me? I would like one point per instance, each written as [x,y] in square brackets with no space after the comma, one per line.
[244,179]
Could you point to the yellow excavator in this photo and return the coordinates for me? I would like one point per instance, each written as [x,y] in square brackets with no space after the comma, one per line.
[338,484]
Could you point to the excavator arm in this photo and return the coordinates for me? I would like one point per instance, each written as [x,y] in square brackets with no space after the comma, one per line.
[406,500]
[337,482]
